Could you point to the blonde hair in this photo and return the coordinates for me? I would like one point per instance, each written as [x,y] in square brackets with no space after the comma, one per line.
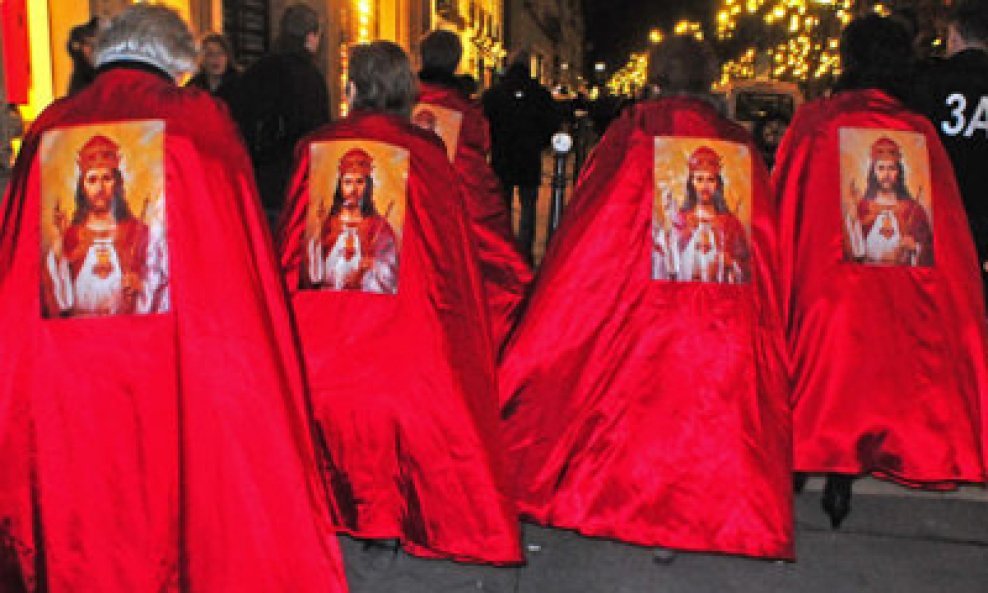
[151,34]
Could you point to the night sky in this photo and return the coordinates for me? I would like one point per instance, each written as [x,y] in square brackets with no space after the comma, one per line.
[615,28]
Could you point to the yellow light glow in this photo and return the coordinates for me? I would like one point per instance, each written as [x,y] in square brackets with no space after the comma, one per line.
[41,92]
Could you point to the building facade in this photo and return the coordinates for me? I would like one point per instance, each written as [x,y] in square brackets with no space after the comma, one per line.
[552,32]
[36,31]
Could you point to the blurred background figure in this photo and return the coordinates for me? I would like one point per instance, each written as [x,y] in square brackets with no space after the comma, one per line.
[82,39]
[279,99]
[468,85]
[768,131]
[523,118]
[217,68]
[953,94]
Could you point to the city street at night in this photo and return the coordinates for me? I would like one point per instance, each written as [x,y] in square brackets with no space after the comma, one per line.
[268,323]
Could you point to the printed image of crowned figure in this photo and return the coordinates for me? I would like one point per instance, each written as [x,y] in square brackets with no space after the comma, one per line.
[104,260]
[887,225]
[356,248]
[707,242]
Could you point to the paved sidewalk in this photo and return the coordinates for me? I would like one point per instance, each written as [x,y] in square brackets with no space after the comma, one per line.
[894,542]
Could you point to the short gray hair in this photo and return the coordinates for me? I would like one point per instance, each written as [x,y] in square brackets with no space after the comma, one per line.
[382,77]
[148,33]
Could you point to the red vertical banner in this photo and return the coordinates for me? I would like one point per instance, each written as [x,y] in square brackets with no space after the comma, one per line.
[16,50]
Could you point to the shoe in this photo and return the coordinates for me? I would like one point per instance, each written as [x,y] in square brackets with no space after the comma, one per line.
[799,482]
[836,499]
[663,556]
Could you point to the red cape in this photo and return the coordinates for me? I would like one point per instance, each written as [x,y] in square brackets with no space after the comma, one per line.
[404,384]
[143,451]
[888,362]
[505,273]
[652,412]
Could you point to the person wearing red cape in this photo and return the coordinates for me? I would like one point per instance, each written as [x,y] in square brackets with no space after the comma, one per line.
[401,367]
[644,395]
[154,424]
[444,109]
[882,296]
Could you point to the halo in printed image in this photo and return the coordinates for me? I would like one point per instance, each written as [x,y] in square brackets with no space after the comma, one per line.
[357,197]
[886,207]
[103,240]
[701,215]
[443,121]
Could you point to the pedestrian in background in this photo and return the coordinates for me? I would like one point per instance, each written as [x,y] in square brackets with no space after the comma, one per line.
[279,99]
[953,94]
[523,118]
[444,108]
[217,66]
[82,38]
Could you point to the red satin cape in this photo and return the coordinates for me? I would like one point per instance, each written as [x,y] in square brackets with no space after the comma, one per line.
[647,411]
[505,273]
[404,385]
[888,362]
[172,451]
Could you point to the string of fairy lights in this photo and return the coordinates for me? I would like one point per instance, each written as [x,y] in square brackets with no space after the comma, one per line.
[787,40]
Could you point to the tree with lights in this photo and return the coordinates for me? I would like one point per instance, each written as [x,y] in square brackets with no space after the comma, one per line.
[791,40]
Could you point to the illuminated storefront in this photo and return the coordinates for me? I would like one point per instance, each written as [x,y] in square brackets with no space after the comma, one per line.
[479,25]
[37,68]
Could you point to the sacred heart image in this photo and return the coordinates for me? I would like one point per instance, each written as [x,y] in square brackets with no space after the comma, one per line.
[357,196]
[701,213]
[886,205]
[103,225]
[443,121]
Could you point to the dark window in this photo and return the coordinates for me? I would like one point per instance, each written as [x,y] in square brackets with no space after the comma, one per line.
[247,25]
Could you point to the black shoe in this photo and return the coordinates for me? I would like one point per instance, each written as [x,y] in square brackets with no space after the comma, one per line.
[836,499]
[799,482]
[663,556]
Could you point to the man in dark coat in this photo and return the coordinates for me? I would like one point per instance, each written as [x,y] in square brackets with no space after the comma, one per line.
[953,94]
[523,118]
[278,100]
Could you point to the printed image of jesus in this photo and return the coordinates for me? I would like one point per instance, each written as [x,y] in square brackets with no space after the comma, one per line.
[442,121]
[102,259]
[886,224]
[699,238]
[356,248]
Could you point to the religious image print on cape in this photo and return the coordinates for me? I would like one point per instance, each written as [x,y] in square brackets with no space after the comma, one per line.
[103,246]
[701,223]
[885,197]
[355,217]
[442,121]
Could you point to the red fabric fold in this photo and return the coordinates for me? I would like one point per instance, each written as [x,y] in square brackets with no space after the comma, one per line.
[653,412]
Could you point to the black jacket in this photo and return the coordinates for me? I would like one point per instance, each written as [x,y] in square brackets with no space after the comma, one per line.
[279,99]
[953,93]
[523,118]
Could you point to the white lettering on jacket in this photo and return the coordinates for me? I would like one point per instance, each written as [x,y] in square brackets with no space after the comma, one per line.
[959,122]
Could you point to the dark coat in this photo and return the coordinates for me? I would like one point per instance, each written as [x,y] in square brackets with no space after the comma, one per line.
[201,81]
[952,94]
[279,99]
[523,118]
